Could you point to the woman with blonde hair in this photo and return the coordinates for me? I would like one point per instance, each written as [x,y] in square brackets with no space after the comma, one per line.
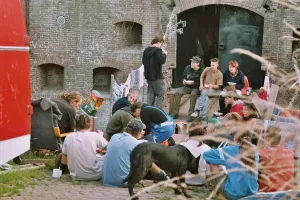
[68,103]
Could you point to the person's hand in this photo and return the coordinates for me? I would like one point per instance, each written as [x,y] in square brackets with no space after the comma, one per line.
[183,82]
[100,132]
[210,85]
[165,52]
[201,87]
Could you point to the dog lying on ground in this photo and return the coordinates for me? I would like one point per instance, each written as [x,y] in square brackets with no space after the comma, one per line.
[172,159]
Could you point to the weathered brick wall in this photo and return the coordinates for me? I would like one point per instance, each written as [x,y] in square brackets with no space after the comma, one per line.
[97,34]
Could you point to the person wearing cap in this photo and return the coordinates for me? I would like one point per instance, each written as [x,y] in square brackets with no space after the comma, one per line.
[232,98]
[211,80]
[191,83]
[153,59]
[116,165]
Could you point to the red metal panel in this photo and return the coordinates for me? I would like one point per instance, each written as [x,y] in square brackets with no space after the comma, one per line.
[15,94]
[12,23]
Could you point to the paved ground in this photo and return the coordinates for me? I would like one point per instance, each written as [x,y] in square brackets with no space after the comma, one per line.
[65,188]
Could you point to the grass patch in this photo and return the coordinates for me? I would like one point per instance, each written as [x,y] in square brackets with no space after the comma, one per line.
[11,183]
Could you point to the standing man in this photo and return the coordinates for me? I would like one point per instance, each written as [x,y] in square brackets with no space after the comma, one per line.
[211,79]
[153,59]
[191,83]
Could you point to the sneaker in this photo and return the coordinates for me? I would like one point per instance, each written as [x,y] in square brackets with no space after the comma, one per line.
[195,114]
[174,116]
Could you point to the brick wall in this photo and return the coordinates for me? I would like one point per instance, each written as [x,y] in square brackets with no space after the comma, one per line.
[113,34]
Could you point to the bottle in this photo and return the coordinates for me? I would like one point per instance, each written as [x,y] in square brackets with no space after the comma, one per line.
[176,129]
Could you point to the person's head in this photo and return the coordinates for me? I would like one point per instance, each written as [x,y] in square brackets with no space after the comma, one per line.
[249,110]
[273,135]
[158,41]
[74,98]
[233,66]
[230,119]
[213,124]
[196,129]
[195,62]
[135,109]
[214,64]
[247,153]
[82,122]
[261,90]
[133,95]
[136,128]
[231,97]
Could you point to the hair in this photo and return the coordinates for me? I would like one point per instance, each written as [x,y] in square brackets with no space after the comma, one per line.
[157,39]
[273,132]
[247,153]
[234,63]
[230,88]
[134,91]
[233,116]
[134,106]
[252,107]
[68,96]
[132,132]
[82,122]
[215,60]
[196,129]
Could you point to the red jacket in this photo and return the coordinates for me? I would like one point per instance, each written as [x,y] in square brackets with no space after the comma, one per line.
[237,108]
[276,169]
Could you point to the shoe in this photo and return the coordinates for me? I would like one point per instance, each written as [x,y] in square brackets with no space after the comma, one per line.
[195,114]
[189,119]
[174,116]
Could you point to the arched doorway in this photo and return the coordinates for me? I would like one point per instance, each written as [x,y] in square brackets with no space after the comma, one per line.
[213,31]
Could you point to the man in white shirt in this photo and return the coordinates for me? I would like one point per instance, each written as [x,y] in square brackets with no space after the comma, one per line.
[197,149]
[79,151]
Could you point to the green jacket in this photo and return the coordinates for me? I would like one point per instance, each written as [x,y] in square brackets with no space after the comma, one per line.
[193,75]
[119,121]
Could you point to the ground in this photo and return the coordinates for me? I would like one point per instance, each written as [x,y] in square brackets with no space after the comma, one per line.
[66,188]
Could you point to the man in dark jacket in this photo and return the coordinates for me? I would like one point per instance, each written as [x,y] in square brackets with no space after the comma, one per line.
[153,59]
[191,82]
[121,118]
[132,97]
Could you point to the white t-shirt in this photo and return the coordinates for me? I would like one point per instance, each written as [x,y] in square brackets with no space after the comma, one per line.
[80,148]
[203,169]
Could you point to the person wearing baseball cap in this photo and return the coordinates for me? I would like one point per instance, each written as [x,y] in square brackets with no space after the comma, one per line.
[232,98]
[191,83]
[116,165]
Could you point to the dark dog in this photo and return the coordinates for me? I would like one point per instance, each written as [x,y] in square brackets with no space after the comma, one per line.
[175,159]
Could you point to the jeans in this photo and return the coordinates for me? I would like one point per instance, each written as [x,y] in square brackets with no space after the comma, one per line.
[203,102]
[193,97]
[156,92]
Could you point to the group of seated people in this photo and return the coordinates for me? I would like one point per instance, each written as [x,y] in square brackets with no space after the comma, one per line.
[209,81]
[232,161]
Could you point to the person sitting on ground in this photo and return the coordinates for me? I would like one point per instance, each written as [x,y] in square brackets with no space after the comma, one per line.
[233,99]
[117,159]
[197,149]
[132,97]
[68,103]
[118,122]
[159,125]
[241,165]
[225,109]
[250,113]
[191,83]
[211,80]
[276,164]
[235,77]
[79,151]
